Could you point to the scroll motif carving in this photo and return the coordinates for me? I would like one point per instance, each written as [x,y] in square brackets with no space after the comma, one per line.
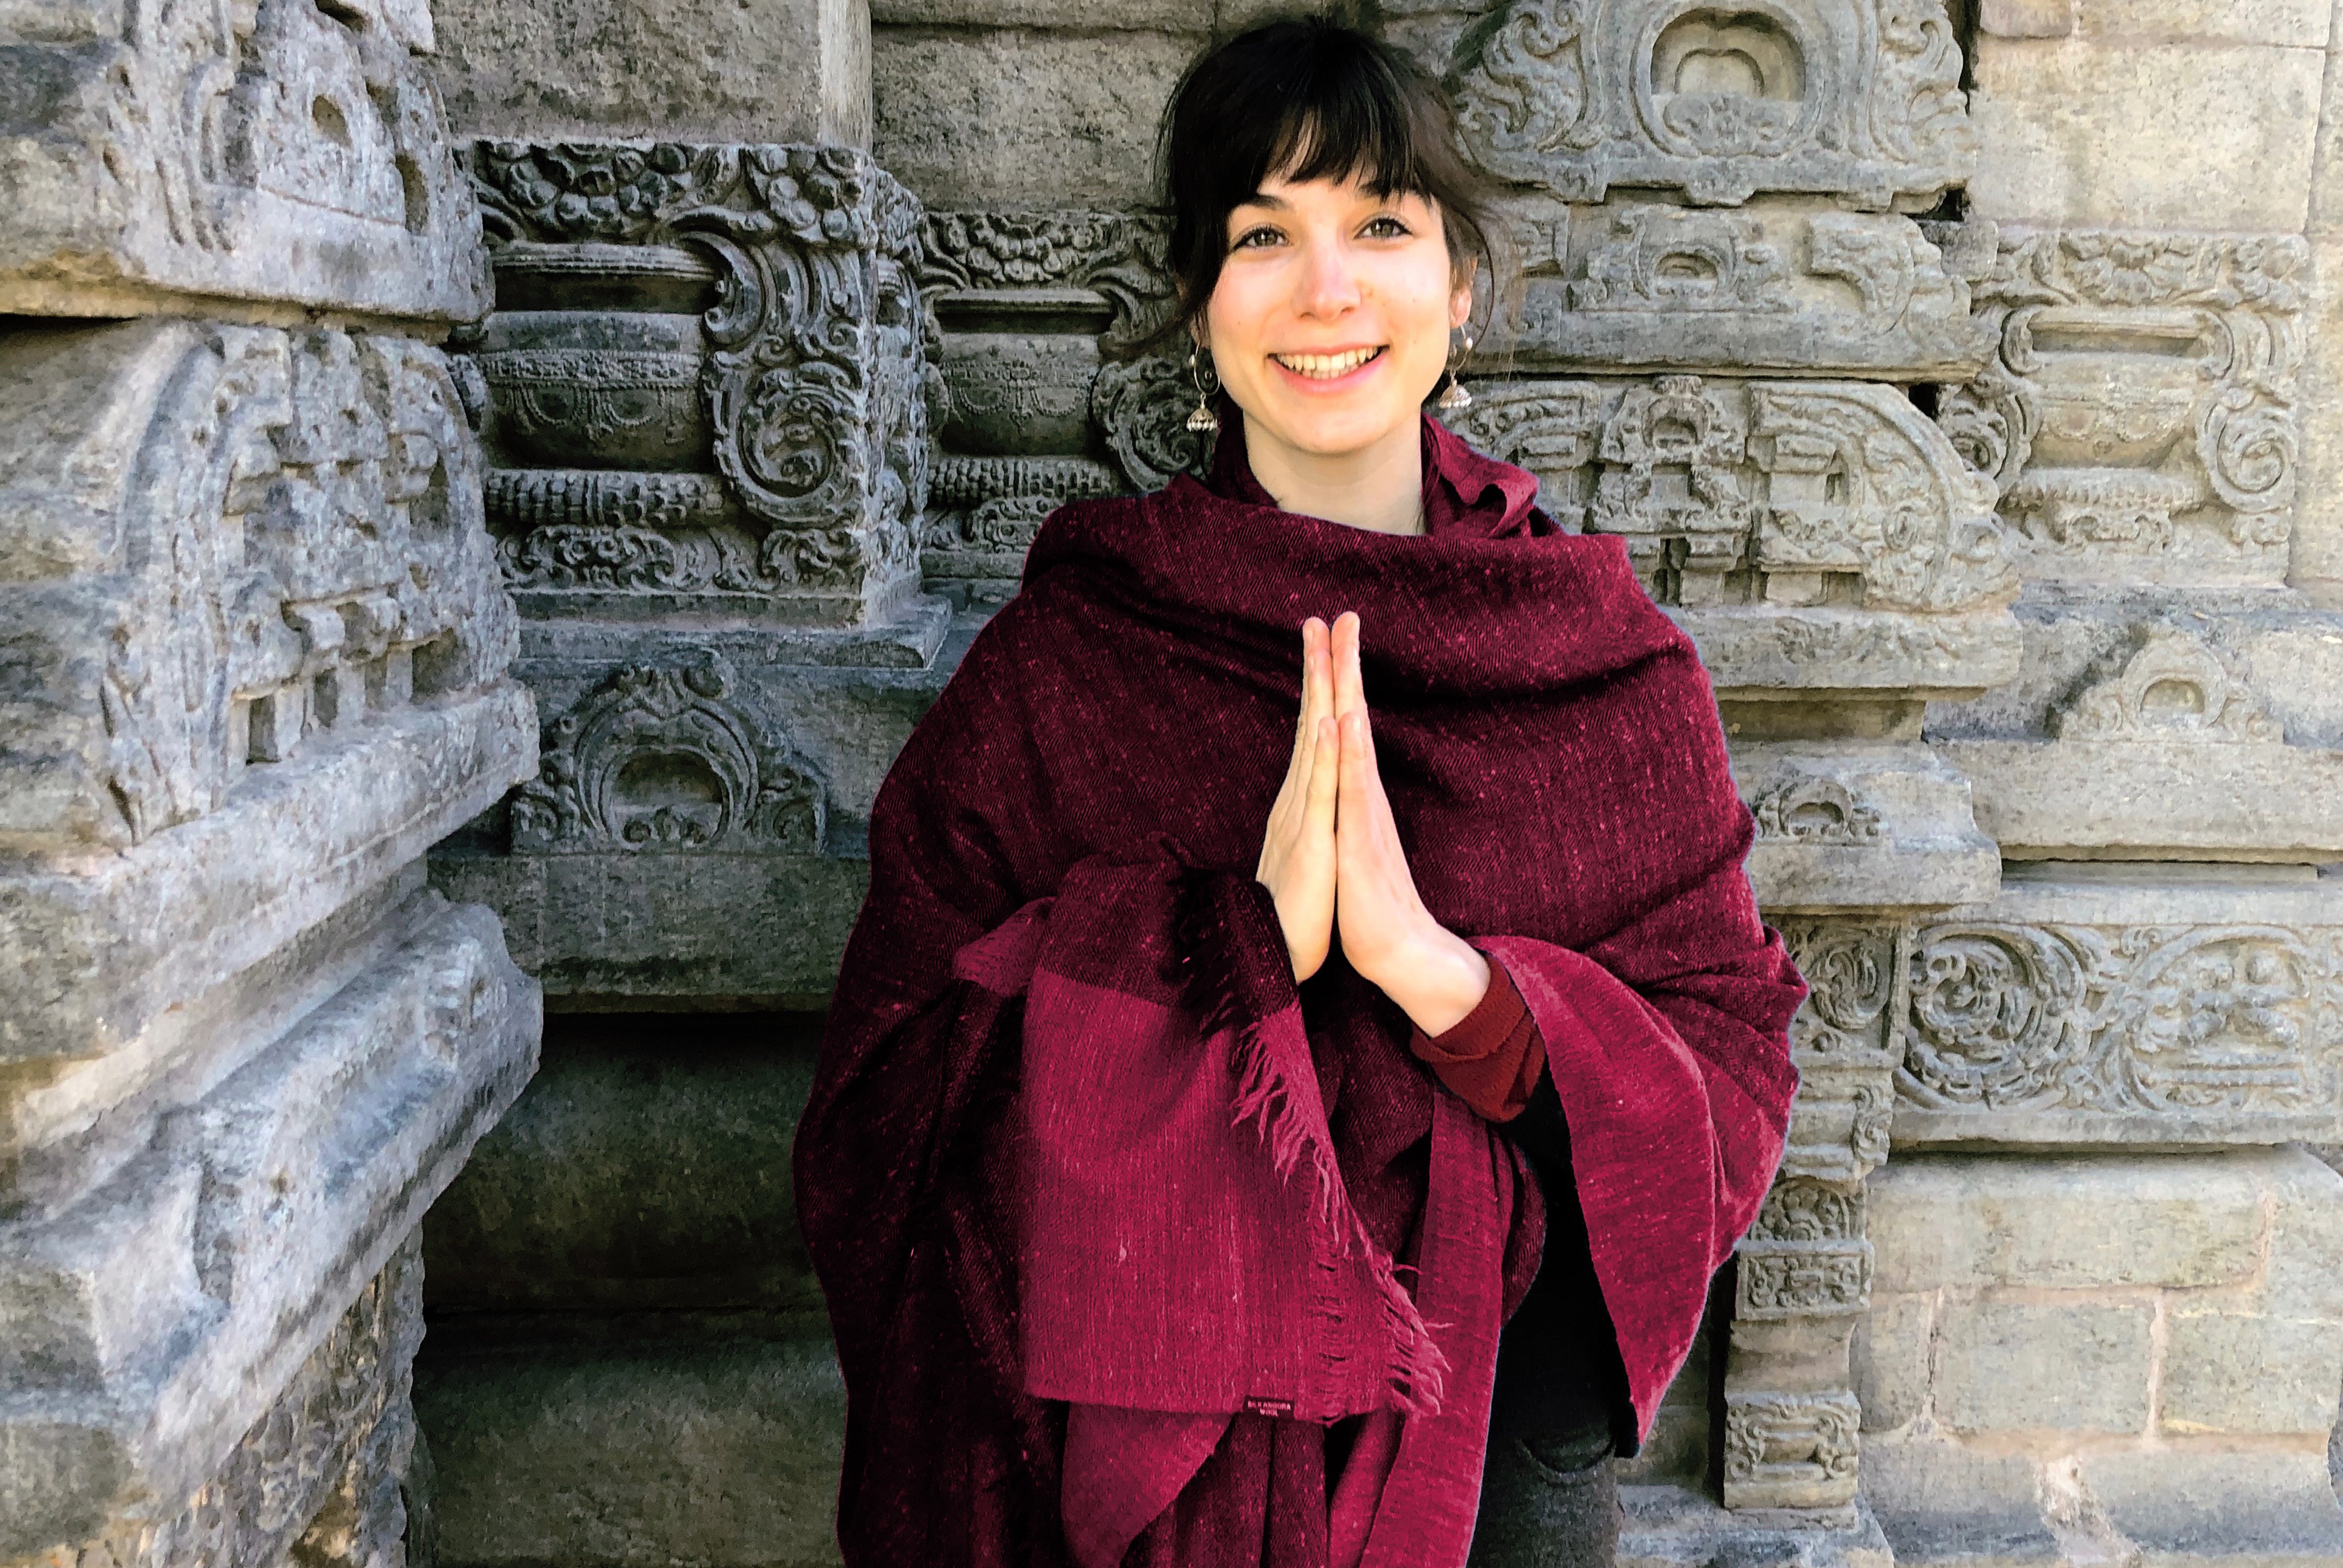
[1729,491]
[1790,1450]
[801,379]
[659,761]
[2172,688]
[2142,412]
[1805,1256]
[2143,1021]
[1856,99]
[1142,407]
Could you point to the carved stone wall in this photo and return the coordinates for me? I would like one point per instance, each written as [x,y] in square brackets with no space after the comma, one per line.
[253,655]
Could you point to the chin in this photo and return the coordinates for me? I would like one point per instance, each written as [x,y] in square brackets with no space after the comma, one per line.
[1330,432]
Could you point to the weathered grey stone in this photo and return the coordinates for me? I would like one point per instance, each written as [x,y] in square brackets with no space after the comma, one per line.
[269,152]
[706,70]
[2024,1365]
[1888,1359]
[2180,132]
[1019,118]
[1642,286]
[2176,1509]
[1860,825]
[710,1451]
[1847,97]
[1940,1501]
[2151,1012]
[741,428]
[2140,417]
[2243,1372]
[152,1320]
[645,1168]
[1764,493]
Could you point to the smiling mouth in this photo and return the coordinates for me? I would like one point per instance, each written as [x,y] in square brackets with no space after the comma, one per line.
[1327,366]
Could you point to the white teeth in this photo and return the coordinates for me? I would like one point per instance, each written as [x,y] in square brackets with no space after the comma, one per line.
[1326,366]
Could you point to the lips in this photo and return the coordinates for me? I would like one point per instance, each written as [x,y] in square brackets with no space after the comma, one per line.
[1327,366]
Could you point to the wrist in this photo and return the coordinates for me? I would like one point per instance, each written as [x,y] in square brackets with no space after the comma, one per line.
[1439,980]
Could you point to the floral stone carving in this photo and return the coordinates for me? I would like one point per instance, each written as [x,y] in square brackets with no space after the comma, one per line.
[1856,99]
[1788,493]
[660,761]
[2141,414]
[767,333]
[2172,688]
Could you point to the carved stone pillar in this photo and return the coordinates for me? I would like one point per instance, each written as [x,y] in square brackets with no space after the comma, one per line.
[253,664]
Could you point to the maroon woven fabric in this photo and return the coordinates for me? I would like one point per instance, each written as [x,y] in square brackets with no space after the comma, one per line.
[1557,772]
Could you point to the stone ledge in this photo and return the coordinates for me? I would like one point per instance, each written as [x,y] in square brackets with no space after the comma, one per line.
[92,952]
[152,1324]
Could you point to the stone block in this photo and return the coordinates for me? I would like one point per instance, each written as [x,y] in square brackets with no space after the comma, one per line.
[1018,118]
[1790,1450]
[2141,415]
[645,1168]
[1844,97]
[2239,1372]
[261,1208]
[721,435]
[586,70]
[2180,135]
[1857,824]
[2305,1277]
[2316,565]
[251,513]
[1889,1359]
[1971,1223]
[2147,1010]
[1788,491]
[2290,24]
[1942,1501]
[273,155]
[2016,1366]
[1764,289]
[718,1452]
[1191,17]
[2177,1507]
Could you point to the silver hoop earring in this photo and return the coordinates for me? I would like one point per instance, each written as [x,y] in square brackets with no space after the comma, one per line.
[1455,396]
[1203,421]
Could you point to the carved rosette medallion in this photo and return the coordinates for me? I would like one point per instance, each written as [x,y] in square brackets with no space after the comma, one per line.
[662,761]
[776,341]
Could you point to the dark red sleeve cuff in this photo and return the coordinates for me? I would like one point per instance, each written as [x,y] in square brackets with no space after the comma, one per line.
[1491,1058]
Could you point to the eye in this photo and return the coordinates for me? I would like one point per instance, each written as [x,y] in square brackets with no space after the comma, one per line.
[1257,237]
[1383,226]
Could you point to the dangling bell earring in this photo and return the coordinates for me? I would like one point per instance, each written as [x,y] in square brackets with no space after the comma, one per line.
[1203,421]
[1455,397]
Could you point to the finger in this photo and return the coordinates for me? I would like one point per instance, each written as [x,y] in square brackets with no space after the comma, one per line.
[1325,777]
[1350,690]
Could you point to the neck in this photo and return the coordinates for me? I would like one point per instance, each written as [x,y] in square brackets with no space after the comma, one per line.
[1379,486]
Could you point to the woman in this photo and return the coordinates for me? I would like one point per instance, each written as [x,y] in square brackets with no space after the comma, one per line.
[1205,1087]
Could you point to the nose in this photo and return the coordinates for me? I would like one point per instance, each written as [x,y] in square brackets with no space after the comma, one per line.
[1329,282]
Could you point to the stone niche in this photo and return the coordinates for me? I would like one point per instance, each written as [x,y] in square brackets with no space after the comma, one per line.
[256,155]
[256,669]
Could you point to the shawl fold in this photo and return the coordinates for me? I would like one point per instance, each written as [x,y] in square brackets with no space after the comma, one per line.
[1062,961]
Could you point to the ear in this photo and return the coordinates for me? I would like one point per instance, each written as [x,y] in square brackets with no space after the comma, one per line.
[1460,300]
[1200,333]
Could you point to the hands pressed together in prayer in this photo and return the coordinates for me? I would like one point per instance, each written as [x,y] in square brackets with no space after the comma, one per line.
[1331,857]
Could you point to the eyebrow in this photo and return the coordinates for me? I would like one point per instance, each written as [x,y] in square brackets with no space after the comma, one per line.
[1262,198]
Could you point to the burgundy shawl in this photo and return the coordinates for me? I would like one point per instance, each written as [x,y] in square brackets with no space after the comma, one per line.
[1061,895]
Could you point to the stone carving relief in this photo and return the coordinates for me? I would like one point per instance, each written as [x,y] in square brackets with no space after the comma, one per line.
[1854,98]
[248,150]
[1667,287]
[2141,1022]
[1790,1450]
[1845,1040]
[747,414]
[1815,811]
[1791,494]
[1141,408]
[2172,688]
[983,513]
[1119,256]
[661,761]
[319,1474]
[291,545]
[1805,1257]
[2140,416]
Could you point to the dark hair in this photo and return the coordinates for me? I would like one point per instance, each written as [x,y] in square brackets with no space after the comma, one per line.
[1308,98]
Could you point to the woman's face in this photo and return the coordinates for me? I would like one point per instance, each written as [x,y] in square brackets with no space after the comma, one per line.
[1331,320]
